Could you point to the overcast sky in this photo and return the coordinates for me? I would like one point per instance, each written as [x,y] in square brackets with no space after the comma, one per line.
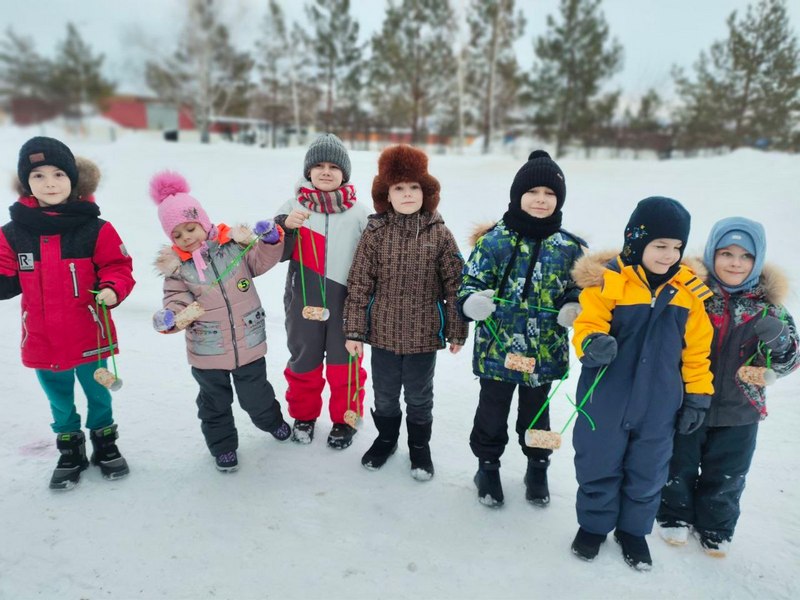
[654,33]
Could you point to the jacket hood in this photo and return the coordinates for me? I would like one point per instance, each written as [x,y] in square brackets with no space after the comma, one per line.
[588,270]
[773,281]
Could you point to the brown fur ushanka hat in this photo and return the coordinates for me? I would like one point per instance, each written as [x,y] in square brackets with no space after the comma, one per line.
[404,163]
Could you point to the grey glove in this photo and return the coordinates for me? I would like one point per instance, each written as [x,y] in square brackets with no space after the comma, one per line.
[568,313]
[692,413]
[599,350]
[479,306]
[774,333]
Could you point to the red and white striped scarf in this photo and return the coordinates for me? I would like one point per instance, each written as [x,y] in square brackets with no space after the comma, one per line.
[336,201]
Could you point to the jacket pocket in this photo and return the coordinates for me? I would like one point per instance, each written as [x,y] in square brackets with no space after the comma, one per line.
[204,338]
[255,332]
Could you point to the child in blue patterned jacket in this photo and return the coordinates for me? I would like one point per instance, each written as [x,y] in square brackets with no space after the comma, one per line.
[755,340]
[517,285]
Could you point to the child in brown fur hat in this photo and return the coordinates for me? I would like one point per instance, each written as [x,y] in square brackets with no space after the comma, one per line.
[402,301]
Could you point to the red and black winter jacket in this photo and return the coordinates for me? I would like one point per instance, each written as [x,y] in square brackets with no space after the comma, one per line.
[54,257]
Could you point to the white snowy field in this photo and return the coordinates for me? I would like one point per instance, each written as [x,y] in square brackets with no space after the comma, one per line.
[309,522]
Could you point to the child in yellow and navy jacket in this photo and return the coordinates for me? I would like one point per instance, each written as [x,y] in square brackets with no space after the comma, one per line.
[644,336]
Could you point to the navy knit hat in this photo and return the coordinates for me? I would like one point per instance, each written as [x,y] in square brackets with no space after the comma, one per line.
[653,218]
[41,151]
[539,170]
[327,148]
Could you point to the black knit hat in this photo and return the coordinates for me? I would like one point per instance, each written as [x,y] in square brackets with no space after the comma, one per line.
[653,218]
[539,170]
[41,151]
[327,148]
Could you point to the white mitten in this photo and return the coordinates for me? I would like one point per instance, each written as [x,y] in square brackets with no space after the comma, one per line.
[568,313]
[479,305]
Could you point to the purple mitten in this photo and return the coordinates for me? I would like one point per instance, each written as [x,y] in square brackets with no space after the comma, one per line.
[267,231]
[164,320]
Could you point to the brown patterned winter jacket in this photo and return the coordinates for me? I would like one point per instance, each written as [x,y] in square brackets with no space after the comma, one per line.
[401,291]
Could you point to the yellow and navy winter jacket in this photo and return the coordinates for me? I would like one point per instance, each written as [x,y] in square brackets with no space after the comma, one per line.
[663,338]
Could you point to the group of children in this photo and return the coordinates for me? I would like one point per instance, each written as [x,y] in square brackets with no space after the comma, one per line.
[707,335]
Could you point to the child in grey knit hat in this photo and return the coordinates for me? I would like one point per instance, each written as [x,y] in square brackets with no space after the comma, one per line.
[324,223]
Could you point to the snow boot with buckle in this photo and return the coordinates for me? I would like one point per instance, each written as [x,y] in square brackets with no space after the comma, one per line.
[106,455]
[72,461]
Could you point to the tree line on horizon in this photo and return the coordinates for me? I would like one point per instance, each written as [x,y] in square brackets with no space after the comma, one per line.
[429,70]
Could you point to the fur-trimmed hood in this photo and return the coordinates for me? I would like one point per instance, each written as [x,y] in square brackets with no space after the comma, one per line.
[589,269]
[168,260]
[88,180]
[479,230]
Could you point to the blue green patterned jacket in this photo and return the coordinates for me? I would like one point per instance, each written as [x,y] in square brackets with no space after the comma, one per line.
[501,260]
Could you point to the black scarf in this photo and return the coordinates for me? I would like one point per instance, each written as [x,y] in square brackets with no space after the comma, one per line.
[52,220]
[655,281]
[530,227]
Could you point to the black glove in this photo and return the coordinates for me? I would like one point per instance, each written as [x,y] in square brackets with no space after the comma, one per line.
[692,413]
[774,333]
[599,349]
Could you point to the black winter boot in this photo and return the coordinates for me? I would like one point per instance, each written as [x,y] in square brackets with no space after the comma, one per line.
[536,490]
[386,442]
[419,450]
[586,545]
[106,455]
[341,436]
[634,550]
[72,461]
[490,490]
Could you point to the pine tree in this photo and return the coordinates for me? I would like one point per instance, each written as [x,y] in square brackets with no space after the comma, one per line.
[746,90]
[206,72]
[412,66]
[23,71]
[333,44]
[76,78]
[575,57]
[493,78]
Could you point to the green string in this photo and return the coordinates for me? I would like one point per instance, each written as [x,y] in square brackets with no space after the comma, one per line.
[536,306]
[110,336]
[299,243]
[235,262]
[546,402]
[586,396]
[321,279]
[353,397]
[583,412]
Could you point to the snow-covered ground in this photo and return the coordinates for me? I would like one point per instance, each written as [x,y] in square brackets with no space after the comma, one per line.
[309,522]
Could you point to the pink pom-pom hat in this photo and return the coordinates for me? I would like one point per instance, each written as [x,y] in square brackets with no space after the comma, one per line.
[170,192]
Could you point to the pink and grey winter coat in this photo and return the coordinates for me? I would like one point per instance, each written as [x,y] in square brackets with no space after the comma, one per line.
[54,257]
[231,333]
[401,292]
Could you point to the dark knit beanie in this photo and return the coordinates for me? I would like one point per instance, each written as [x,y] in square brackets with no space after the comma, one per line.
[327,148]
[42,151]
[655,217]
[539,170]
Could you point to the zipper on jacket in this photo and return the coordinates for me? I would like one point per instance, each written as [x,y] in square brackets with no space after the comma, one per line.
[24,329]
[97,320]
[441,323]
[230,312]
[74,279]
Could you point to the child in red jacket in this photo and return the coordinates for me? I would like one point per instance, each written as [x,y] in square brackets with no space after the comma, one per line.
[70,266]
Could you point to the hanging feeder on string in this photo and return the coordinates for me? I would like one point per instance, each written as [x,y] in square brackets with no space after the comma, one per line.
[513,361]
[353,417]
[101,374]
[312,313]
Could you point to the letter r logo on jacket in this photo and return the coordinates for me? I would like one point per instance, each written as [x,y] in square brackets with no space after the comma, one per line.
[25,260]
